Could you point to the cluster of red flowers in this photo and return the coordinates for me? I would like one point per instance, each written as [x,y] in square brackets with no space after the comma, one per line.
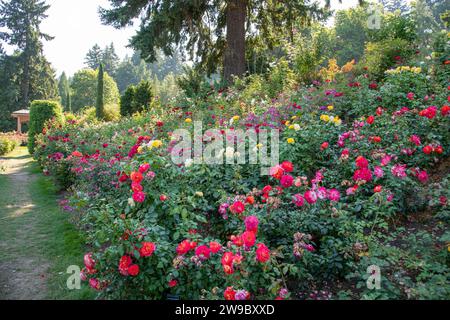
[430,148]
[127,268]
[429,112]
[363,172]
[136,180]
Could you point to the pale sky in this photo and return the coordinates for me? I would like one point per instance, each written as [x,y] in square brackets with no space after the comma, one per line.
[76,26]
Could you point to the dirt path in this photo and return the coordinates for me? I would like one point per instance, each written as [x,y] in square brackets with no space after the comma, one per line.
[23,267]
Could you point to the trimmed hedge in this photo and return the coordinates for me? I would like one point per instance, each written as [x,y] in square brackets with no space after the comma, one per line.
[40,112]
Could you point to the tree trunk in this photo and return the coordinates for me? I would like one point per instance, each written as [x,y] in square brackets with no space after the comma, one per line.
[234,60]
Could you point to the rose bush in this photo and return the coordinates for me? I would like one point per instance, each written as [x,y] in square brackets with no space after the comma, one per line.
[355,157]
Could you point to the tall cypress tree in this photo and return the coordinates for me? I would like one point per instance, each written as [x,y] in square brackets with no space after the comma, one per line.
[21,20]
[100,106]
[63,87]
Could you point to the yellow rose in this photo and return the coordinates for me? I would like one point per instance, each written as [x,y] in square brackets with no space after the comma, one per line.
[140,149]
[236,118]
[199,194]
[330,108]
[188,120]
[291,127]
[325,117]
[288,123]
[290,140]
[156,143]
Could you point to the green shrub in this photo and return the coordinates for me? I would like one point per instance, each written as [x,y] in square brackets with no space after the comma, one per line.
[84,89]
[136,99]
[40,112]
[380,56]
[7,145]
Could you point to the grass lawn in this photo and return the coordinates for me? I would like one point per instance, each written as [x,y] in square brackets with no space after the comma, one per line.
[33,226]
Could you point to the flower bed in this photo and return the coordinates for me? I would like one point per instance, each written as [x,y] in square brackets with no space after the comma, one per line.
[355,156]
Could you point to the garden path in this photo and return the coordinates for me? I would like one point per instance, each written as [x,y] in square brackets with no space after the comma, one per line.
[23,267]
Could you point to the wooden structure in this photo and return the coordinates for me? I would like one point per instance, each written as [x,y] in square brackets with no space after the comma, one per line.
[22,116]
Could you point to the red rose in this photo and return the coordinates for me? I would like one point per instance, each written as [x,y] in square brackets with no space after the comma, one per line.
[173,283]
[250,200]
[262,253]
[237,208]
[249,238]
[376,139]
[124,264]
[277,172]
[214,246]
[139,197]
[324,145]
[94,284]
[427,149]
[267,189]
[287,181]
[147,249]
[89,261]
[378,189]
[184,247]
[136,177]
[144,168]
[361,162]
[227,258]
[136,187]
[287,166]
[229,294]
[163,197]
[370,119]
[203,251]
[133,270]
[445,110]
[237,240]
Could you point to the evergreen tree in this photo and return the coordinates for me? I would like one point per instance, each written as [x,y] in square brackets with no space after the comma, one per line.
[126,101]
[9,90]
[69,100]
[107,56]
[63,87]
[21,21]
[212,31]
[143,96]
[395,5]
[128,73]
[110,60]
[100,105]
[94,57]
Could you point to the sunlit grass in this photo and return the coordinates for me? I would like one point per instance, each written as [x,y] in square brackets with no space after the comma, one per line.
[40,229]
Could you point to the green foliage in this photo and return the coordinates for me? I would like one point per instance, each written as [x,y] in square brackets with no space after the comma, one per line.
[136,99]
[64,92]
[192,24]
[380,56]
[107,57]
[84,89]
[100,106]
[22,20]
[126,101]
[7,145]
[351,34]
[40,112]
